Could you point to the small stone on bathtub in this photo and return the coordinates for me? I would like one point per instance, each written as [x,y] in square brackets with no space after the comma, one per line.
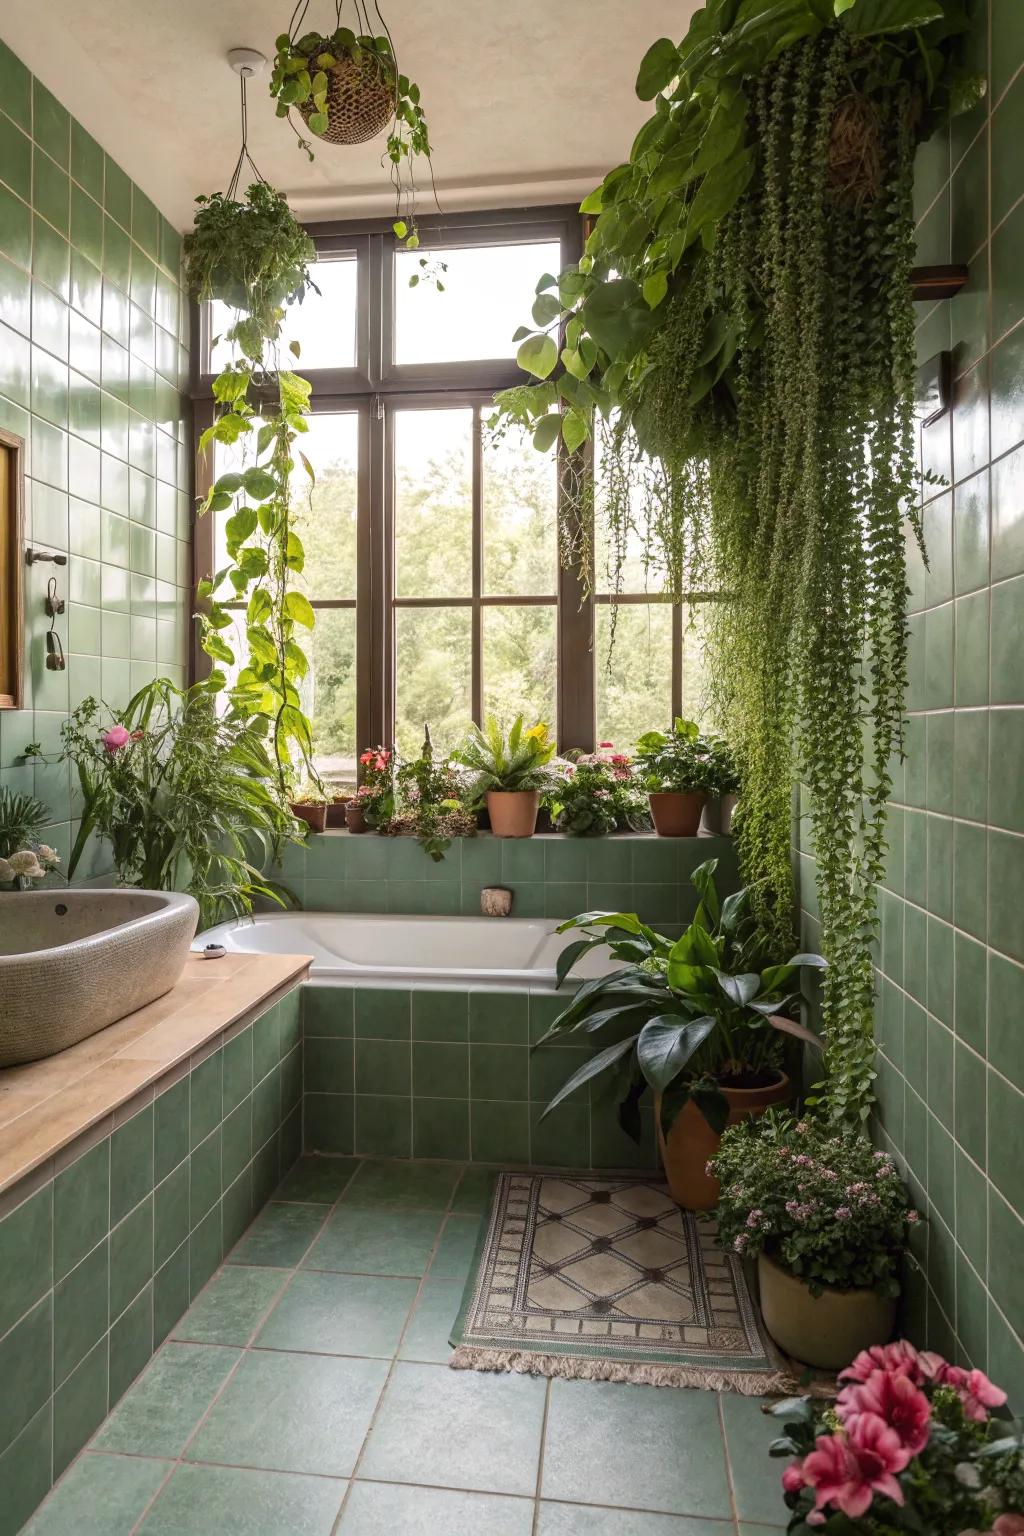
[495,901]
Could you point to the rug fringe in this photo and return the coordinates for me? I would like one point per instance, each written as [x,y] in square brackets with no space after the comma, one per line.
[467,1357]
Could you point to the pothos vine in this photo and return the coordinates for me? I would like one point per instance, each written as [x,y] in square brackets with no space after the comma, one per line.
[255,258]
[739,336]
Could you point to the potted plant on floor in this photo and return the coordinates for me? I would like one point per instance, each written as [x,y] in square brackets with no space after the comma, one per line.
[597,794]
[911,1444]
[508,771]
[827,1218]
[674,767]
[699,1020]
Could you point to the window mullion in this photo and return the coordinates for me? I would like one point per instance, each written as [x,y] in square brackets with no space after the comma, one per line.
[476,673]
[677,660]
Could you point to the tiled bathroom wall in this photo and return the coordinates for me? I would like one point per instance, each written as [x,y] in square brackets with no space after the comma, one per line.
[549,876]
[93,359]
[950,1011]
[101,1255]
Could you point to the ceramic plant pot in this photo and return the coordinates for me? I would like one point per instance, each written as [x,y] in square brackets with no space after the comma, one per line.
[728,810]
[336,811]
[827,1331]
[355,817]
[691,1141]
[676,813]
[513,812]
[315,816]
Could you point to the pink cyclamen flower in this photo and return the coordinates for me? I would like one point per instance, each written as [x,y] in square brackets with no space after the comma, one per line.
[847,1474]
[893,1398]
[900,1356]
[116,738]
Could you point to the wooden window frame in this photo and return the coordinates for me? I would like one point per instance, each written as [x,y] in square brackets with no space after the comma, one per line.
[375,388]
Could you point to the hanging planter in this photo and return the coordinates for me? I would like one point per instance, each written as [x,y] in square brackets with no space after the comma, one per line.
[360,96]
[347,88]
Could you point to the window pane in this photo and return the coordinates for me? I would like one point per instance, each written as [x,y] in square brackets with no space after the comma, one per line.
[324,324]
[325,514]
[696,705]
[519,663]
[329,690]
[488,291]
[433,503]
[627,549]
[433,676]
[634,686]
[520,517]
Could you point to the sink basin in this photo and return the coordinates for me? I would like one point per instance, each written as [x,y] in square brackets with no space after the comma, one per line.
[74,961]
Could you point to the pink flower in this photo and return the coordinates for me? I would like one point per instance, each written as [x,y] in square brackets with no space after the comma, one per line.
[116,738]
[604,744]
[913,1217]
[739,1243]
[975,1391]
[900,1356]
[1006,1525]
[846,1473]
[894,1399]
[843,1213]
[793,1477]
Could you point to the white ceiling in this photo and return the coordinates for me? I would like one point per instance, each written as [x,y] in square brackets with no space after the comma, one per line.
[528,101]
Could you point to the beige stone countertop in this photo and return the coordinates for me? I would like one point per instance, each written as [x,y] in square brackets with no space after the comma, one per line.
[46,1104]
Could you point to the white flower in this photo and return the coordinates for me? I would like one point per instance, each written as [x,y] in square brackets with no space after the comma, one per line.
[27,864]
[6,872]
[48,856]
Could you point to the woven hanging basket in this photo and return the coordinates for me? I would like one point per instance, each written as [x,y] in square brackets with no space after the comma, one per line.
[360,100]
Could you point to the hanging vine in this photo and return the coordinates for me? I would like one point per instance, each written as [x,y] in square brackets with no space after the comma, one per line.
[741,321]
[255,258]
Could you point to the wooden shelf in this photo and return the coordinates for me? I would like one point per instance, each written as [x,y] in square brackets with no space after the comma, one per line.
[933,283]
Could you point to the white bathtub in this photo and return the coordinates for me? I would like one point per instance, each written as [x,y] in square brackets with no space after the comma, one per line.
[379,950]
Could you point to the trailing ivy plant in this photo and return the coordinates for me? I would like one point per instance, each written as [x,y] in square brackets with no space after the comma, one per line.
[739,336]
[255,258]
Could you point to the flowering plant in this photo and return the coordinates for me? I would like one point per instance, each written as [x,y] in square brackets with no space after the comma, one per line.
[597,794]
[509,761]
[826,1206]
[22,857]
[427,803]
[908,1446]
[185,797]
[376,792]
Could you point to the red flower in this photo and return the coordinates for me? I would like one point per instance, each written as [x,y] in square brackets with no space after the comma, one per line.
[893,1398]
[848,1472]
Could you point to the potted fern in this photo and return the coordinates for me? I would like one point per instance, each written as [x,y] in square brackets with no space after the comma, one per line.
[508,771]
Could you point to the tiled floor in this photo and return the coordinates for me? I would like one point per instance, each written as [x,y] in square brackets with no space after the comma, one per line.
[306,1393]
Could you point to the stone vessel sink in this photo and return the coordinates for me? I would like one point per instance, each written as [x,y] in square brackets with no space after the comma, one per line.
[74,961]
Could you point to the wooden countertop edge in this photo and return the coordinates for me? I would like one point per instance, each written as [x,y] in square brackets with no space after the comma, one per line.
[157,1040]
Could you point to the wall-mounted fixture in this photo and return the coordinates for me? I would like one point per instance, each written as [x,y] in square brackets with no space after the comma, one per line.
[55,661]
[934,394]
[34,555]
[12,592]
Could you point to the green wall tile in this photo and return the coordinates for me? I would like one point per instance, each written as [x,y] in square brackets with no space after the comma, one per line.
[15,228]
[51,124]
[440,1071]
[1005,1122]
[26,1242]
[383,1126]
[81,1200]
[440,1127]
[382,1013]
[15,159]
[15,88]
[1006,894]
[80,1406]
[382,1067]
[971,990]
[328,1122]
[131,1343]
[170,1128]
[131,1163]
[80,1311]
[25,1369]
[171,1212]
[131,1256]
[329,1063]
[440,1015]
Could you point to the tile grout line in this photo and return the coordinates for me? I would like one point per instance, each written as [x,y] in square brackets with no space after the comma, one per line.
[730,1481]
[446,1213]
[535,1527]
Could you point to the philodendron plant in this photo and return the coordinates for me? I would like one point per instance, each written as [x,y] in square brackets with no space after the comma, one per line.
[691,1016]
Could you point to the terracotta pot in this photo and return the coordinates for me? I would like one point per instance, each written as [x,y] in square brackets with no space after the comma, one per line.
[675,813]
[826,1331]
[315,816]
[336,811]
[691,1141]
[513,812]
[355,817]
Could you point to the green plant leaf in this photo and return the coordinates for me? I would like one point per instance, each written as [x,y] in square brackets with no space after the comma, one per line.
[870,18]
[575,430]
[658,67]
[545,434]
[299,609]
[655,288]
[666,1043]
[546,309]
[617,316]
[593,1067]
[538,355]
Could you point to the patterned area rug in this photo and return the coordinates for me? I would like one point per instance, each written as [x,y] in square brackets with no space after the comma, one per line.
[607,1279]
